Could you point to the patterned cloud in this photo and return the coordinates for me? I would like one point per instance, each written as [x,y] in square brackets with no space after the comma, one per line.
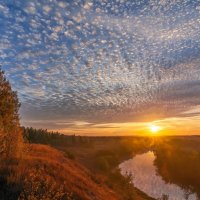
[102,61]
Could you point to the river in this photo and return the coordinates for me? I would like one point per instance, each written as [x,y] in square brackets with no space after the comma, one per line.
[146,179]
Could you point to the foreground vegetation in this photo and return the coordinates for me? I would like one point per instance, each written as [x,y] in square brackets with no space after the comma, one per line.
[10,140]
[101,155]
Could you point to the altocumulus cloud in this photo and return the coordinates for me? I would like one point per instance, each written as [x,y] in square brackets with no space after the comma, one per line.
[101,61]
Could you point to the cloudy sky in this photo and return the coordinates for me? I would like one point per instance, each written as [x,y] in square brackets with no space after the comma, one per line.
[104,66]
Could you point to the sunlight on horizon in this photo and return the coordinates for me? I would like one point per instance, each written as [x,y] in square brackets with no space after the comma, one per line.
[154,129]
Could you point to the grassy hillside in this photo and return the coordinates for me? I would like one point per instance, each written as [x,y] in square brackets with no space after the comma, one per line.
[48,174]
[100,155]
[86,168]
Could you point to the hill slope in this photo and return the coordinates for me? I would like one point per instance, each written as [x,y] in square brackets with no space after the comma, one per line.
[50,175]
[99,155]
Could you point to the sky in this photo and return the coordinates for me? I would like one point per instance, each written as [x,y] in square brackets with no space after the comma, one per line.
[104,67]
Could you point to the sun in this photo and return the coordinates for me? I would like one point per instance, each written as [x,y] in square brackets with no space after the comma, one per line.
[154,129]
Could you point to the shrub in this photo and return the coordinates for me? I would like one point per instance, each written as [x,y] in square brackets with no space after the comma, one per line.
[102,163]
[69,155]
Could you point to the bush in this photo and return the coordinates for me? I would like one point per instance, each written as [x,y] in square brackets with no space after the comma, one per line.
[69,155]
[102,163]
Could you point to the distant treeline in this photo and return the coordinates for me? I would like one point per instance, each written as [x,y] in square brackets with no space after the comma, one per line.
[43,136]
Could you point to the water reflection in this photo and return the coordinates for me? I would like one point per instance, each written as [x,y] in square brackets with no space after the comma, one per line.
[145,178]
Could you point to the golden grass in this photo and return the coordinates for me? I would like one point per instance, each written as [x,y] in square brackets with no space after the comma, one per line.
[48,174]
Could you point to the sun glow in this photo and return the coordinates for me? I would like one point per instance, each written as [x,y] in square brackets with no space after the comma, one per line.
[154,129]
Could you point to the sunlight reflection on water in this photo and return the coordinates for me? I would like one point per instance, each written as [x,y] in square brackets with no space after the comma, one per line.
[145,178]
